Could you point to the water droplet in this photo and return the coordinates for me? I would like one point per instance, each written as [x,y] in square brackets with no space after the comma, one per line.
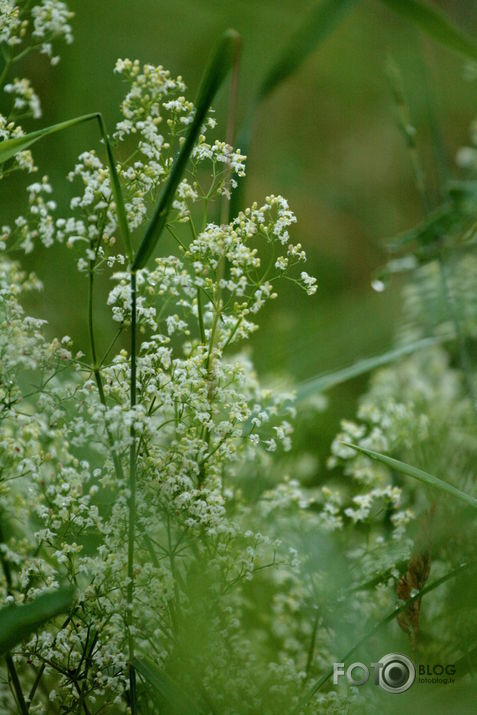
[378,285]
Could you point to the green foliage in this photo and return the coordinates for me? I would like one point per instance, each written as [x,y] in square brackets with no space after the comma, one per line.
[177,702]
[215,567]
[416,473]
[18,622]
[435,24]
[322,383]
[10,147]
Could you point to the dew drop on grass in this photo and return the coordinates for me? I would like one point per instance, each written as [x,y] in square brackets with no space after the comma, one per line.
[378,285]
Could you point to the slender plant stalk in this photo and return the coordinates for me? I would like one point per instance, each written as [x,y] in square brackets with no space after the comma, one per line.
[311,649]
[97,371]
[16,685]
[4,73]
[132,498]
[225,209]
[225,204]
[10,664]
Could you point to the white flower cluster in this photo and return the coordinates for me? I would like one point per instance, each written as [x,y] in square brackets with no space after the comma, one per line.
[195,530]
[23,160]
[24,28]
[200,427]
[51,21]
[26,100]
[38,24]
[12,28]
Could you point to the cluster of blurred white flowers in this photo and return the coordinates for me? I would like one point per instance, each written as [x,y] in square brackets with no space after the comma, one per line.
[202,423]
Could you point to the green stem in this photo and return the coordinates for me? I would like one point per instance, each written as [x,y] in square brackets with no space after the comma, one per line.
[311,649]
[16,685]
[97,371]
[39,675]
[132,499]
[6,67]
[10,664]
[224,218]
[200,316]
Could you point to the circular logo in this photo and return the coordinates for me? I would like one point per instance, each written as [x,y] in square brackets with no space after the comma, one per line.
[397,673]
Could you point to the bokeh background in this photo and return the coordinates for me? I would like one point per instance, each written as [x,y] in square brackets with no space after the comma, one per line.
[328,140]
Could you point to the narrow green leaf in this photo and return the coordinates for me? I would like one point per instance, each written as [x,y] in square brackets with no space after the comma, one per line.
[18,622]
[218,68]
[321,383]
[317,25]
[10,147]
[416,473]
[174,695]
[401,566]
[435,24]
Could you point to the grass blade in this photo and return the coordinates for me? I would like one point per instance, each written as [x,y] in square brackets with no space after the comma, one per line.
[416,473]
[315,28]
[321,383]
[219,66]
[166,687]
[10,147]
[18,622]
[435,24]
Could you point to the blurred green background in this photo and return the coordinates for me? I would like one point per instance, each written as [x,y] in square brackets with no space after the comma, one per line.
[327,140]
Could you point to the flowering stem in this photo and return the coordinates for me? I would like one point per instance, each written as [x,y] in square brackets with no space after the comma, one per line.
[311,649]
[200,316]
[132,498]
[97,371]
[4,73]
[9,660]
[117,463]
[16,685]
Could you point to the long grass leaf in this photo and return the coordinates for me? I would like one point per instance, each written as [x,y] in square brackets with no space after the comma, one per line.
[167,688]
[10,147]
[321,383]
[317,25]
[18,622]
[416,473]
[435,24]
[218,68]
